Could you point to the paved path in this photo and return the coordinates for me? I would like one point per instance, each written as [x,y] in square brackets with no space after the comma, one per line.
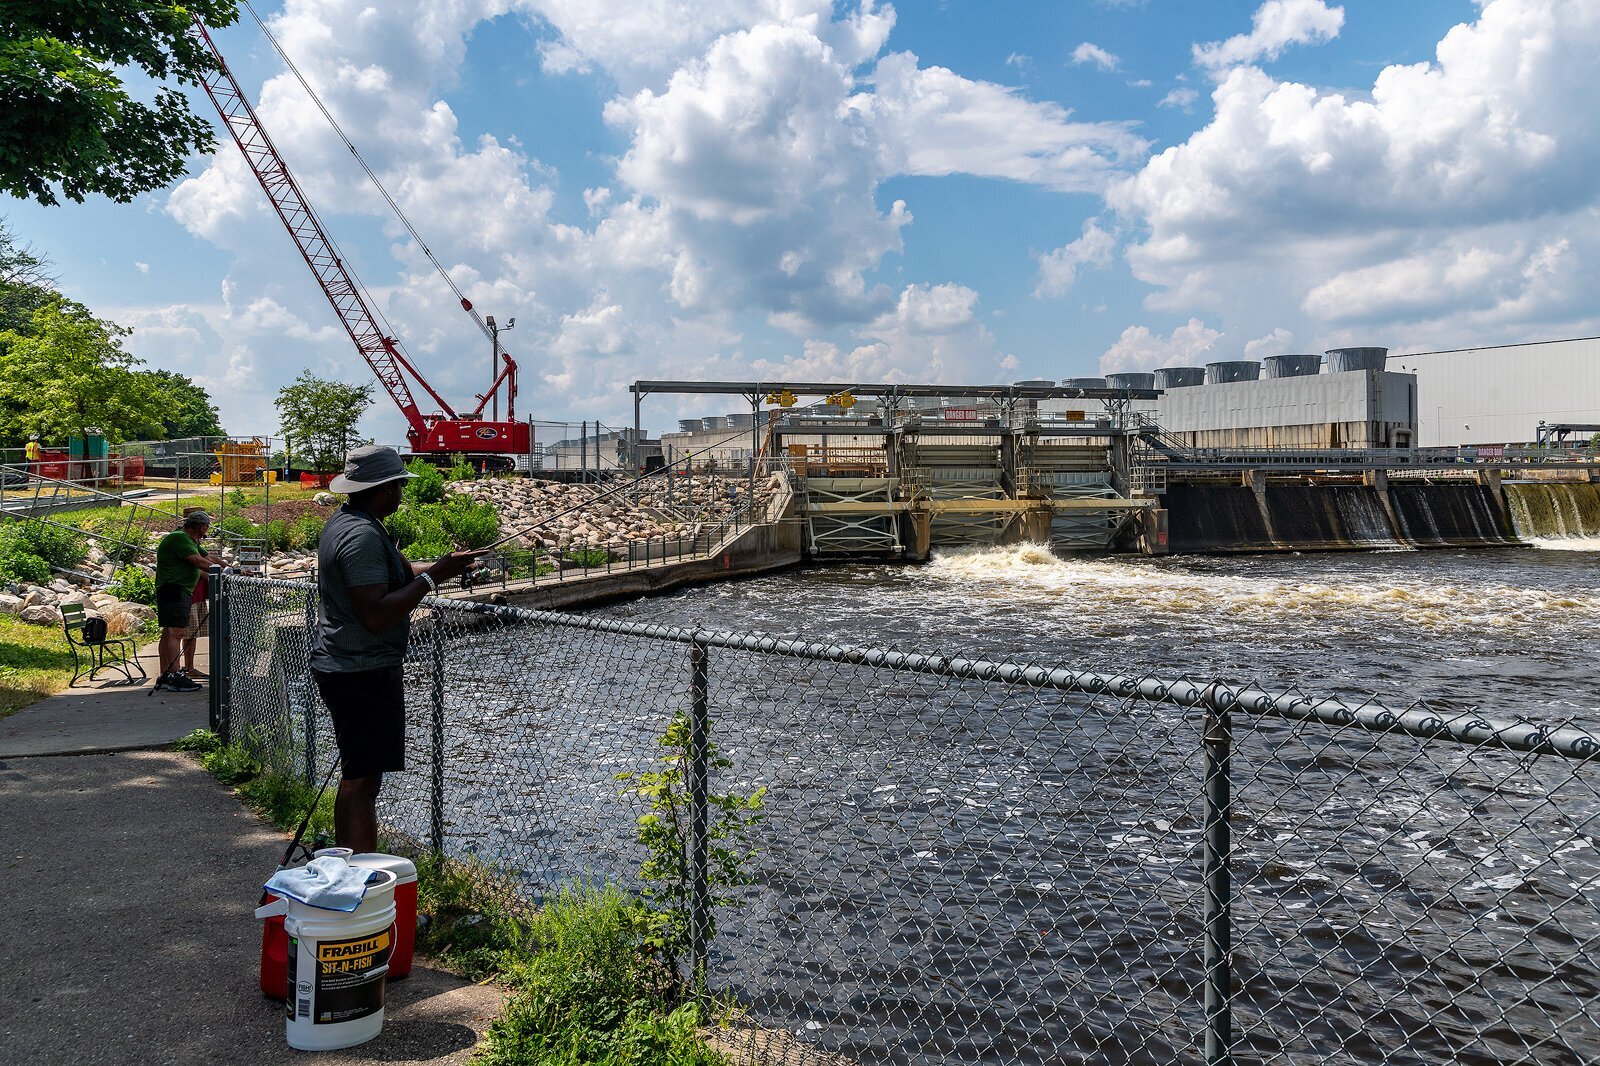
[99,716]
[128,884]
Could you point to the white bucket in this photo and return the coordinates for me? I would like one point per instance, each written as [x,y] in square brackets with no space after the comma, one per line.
[338,963]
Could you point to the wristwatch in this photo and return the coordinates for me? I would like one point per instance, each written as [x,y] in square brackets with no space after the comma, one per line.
[432,584]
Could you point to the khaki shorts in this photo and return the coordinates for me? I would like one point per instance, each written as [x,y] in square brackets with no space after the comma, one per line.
[199,616]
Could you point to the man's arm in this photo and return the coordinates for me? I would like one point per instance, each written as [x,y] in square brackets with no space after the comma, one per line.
[197,560]
[376,608]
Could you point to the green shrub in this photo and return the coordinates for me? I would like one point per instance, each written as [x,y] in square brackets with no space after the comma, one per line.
[276,535]
[237,527]
[134,584]
[237,498]
[306,533]
[587,557]
[18,562]
[127,545]
[592,992]
[471,524]
[61,548]
[427,486]
[460,469]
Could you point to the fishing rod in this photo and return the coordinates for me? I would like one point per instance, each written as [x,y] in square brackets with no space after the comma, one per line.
[640,479]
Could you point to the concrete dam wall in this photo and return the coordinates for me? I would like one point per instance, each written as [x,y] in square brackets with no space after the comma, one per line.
[1229,518]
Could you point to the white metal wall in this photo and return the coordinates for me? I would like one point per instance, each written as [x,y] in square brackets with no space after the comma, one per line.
[1499,395]
[1358,396]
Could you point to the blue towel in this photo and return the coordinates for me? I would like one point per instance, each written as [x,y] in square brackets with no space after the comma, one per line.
[328,883]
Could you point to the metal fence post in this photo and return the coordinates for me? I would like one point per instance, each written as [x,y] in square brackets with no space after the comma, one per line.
[1218,884]
[699,887]
[218,654]
[309,697]
[436,789]
[222,673]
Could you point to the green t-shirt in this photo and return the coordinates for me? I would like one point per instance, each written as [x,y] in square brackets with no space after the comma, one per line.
[172,561]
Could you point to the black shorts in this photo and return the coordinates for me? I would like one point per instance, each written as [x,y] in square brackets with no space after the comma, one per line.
[172,606]
[368,708]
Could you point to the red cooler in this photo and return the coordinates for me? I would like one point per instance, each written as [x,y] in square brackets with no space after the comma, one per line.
[405,909]
[274,954]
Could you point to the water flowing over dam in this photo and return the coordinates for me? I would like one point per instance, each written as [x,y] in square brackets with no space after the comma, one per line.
[1556,514]
[1238,518]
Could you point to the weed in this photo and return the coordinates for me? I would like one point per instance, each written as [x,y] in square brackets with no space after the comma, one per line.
[135,584]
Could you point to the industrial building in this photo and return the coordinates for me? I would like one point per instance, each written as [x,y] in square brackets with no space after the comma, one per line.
[1499,395]
[1356,404]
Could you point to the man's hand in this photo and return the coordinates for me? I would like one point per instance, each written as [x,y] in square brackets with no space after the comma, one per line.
[453,565]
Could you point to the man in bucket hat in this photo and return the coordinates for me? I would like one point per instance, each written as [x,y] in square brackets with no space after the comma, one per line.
[368,591]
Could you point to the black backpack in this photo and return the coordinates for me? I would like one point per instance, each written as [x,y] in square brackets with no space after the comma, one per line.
[95,631]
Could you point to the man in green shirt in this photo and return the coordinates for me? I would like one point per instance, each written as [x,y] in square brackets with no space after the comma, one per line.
[179,561]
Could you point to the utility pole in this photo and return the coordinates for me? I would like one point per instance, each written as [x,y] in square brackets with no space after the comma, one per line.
[494,362]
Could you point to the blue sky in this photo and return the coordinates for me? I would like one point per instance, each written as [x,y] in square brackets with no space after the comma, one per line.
[953,191]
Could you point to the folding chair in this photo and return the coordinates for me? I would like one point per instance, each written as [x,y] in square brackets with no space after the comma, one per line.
[111,653]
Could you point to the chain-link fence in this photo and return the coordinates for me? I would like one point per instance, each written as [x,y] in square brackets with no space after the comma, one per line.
[973,862]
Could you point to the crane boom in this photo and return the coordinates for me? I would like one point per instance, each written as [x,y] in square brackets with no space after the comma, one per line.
[427,432]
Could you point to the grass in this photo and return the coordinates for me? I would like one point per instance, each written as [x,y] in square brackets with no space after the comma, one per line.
[586,988]
[37,663]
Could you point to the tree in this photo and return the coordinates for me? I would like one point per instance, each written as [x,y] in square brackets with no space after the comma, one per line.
[26,283]
[68,374]
[68,127]
[186,408]
[319,417]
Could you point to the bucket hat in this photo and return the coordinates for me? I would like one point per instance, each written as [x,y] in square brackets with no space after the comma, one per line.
[369,467]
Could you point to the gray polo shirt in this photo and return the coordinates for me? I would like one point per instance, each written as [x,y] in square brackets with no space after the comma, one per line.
[356,550]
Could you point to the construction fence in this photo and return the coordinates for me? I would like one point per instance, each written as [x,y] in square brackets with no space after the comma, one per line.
[961,861]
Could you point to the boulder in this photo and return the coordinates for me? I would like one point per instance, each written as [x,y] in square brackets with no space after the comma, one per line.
[10,604]
[42,614]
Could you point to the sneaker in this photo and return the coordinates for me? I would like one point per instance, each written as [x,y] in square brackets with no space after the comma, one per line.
[163,682]
[179,683]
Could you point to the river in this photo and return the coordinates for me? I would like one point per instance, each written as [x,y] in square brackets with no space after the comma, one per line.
[984,883]
[1506,628]
[968,872]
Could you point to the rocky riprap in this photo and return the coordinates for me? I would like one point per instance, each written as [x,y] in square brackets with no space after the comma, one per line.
[41,605]
[610,523]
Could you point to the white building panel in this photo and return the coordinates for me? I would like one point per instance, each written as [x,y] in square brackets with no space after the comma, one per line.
[1499,395]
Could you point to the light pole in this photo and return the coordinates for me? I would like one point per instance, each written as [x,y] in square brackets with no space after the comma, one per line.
[494,362]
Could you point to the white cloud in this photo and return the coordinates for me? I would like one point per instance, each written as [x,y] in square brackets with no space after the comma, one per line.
[1021,62]
[1140,349]
[934,122]
[1058,270]
[143,268]
[1453,204]
[1275,343]
[1181,98]
[1088,52]
[1276,25]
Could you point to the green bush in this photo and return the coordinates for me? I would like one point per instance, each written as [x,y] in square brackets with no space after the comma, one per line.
[587,557]
[237,527]
[592,992]
[306,533]
[276,535]
[134,584]
[18,560]
[427,486]
[471,524]
[460,469]
[61,548]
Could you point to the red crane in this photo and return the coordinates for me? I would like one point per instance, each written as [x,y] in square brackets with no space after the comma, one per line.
[438,432]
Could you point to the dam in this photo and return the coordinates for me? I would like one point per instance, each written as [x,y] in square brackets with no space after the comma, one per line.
[1085,466]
